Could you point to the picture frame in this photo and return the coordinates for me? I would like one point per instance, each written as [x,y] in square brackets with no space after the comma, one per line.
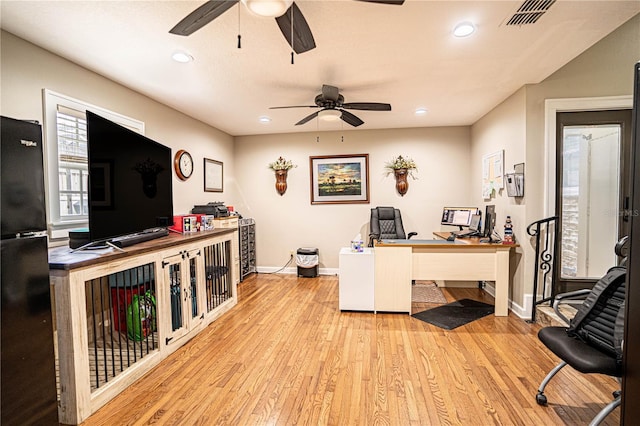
[213,175]
[339,179]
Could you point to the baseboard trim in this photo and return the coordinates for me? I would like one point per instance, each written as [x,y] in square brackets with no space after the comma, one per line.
[293,270]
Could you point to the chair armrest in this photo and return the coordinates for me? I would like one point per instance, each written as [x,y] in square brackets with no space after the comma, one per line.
[373,237]
[411,234]
[570,298]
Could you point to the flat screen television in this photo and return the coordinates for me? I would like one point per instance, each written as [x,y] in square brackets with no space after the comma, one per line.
[489,223]
[458,216]
[130,181]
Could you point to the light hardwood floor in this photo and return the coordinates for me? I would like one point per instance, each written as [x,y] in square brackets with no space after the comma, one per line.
[286,355]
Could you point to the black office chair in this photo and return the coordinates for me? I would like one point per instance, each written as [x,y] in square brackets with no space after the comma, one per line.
[576,298]
[593,341]
[386,223]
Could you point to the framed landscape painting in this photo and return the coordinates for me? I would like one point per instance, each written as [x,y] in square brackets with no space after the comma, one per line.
[339,179]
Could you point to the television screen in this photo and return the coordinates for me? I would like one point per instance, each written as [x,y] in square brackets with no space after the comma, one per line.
[458,216]
[130,181]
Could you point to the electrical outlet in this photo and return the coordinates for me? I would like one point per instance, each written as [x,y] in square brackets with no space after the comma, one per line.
[291,253]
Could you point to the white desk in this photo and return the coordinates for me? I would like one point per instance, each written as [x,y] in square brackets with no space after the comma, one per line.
[397,262]
[356,280]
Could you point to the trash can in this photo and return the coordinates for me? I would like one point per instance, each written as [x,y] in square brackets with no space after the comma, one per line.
[307,261]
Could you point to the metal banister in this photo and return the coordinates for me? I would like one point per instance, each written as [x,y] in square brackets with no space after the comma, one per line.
[546,247]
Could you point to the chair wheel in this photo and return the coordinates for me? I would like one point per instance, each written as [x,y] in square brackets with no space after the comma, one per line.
[541,399]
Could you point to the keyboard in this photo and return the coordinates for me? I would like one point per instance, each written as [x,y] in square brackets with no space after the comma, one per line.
[466,234]
[139,237]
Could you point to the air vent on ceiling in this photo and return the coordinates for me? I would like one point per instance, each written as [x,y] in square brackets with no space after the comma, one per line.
[530,11]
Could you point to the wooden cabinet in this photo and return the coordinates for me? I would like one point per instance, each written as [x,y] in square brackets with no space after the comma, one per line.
[119,313]
[231,222]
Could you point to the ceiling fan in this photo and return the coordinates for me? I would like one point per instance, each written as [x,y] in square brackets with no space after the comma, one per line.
[288,17]
[333,107]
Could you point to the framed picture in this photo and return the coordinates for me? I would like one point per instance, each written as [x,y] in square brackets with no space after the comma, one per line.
[213,177]
[339,179]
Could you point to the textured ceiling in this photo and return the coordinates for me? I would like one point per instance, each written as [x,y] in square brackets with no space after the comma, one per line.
[402,55]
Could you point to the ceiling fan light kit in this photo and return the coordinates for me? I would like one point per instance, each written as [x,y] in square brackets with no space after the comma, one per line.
[268,8]
[330,115]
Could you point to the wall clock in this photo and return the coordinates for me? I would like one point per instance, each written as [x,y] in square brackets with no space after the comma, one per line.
[183,164]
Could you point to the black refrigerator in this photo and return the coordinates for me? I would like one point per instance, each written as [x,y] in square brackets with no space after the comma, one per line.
[28,377]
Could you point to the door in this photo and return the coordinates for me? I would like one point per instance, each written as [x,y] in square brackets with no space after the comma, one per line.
[592,193]
[182,274]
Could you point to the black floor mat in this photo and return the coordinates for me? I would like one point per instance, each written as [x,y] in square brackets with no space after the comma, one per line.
[455,314]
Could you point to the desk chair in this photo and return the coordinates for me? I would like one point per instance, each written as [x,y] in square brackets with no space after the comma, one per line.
[576,298]
[386,223]
[593,341]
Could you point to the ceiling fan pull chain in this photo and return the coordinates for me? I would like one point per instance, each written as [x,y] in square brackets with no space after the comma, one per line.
[239,36]
[291,35]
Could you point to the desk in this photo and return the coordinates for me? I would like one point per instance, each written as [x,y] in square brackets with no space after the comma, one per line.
[397,262]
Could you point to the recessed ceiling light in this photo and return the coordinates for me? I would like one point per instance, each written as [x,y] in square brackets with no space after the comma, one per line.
[264,119]
[182,57]
[421,111]
[464,29]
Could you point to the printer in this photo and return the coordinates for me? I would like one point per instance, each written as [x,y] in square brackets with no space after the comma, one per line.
[215,208]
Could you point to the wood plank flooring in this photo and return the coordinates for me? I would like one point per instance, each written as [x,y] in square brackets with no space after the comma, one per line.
[286,355]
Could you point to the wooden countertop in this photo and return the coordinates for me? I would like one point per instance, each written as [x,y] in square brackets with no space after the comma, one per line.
[63,258]
[440,242]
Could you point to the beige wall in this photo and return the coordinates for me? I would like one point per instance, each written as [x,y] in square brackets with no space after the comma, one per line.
[604,70]
[449,159]
[285,223]
[27,69]
[504,128]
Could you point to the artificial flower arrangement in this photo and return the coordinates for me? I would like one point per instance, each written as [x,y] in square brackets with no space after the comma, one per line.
[281,164]
[399,163]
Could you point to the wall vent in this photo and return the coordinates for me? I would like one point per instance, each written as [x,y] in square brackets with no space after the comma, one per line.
[530,11]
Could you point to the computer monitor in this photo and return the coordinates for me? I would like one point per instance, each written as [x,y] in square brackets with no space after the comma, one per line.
[458,216]
[489,223]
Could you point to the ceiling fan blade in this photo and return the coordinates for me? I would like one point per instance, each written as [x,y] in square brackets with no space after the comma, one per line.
[330,93]
[368,106]
[349,118]
[302,37]
[295,106]
[393,2]
[202,16]
[308,118]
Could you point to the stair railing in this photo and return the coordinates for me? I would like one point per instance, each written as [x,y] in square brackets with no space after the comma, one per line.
[547,245]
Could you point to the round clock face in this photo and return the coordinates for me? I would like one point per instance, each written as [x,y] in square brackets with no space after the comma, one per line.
[183,163]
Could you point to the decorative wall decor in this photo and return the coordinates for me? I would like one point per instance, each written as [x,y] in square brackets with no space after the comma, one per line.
[213,176]
[401,167]
[339,179]
[492,173]
[281,168]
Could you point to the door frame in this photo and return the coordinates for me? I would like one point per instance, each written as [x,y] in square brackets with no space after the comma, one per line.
[551,108]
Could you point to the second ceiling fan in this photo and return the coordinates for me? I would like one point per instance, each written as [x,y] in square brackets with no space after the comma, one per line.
[331,103]
[288,16]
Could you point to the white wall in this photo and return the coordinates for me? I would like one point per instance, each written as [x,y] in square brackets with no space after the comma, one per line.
[27,69]
[285,223]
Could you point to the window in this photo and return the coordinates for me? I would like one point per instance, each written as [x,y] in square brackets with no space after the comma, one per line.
[65,135]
